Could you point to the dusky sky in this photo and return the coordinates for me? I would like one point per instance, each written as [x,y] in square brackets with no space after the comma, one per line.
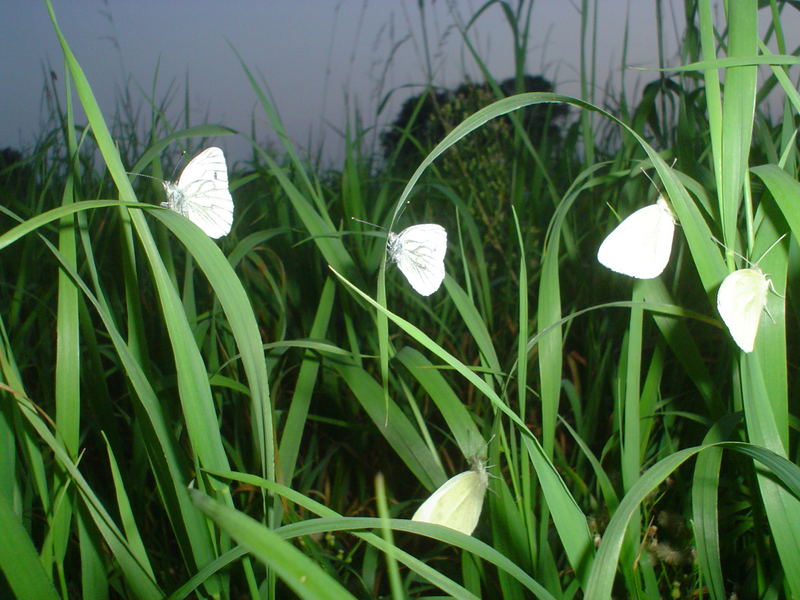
[323,61]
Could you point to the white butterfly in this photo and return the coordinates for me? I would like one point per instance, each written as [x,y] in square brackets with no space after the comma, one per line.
[419,253]
[201,193]
[457,504]
[640,246]
[740,300]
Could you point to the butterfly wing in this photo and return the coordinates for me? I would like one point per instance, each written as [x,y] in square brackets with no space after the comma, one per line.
[419,253]
[457,503]
[640,246]
[740,301]
[203,192]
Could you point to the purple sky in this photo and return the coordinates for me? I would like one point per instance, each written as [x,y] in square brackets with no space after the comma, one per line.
[321,59]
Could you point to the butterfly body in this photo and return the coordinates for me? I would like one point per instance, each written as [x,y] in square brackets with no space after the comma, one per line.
[419,253]
[201,193]
[458,502]
[741,299]
[641,244]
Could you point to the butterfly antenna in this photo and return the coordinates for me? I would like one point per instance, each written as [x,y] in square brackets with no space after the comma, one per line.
[142,175]
[775,243]
[367,223]
[763,254]
[178,164]
[655,185]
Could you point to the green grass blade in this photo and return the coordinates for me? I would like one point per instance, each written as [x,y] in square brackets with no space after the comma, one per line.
[68,355]
[298,571]
[94,578]
[132,534]
[705,490]
[306,381]
[191,533]
[242,322]
[19,560]
[393,425]
[568,518]
[780,506]
[332,521]
[459,420]
[738,109]
[138,577]
[474,323]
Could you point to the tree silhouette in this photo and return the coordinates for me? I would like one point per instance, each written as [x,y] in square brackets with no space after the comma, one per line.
[426,118]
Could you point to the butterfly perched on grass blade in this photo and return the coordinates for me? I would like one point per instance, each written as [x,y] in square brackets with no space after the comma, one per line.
[201,193]
[419,253]
[741,299]
[640,246]
[457,504]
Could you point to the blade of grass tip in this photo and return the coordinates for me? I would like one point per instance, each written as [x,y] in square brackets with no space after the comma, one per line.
[306,382]
[132,534]
[109,152]
[111,156]
[293,567]
[550,345]
[277,124]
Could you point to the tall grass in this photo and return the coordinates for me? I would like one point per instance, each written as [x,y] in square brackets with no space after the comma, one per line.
[259,417]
